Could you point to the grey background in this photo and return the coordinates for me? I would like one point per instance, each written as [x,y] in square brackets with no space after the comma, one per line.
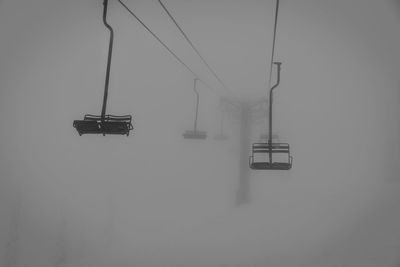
[154,199]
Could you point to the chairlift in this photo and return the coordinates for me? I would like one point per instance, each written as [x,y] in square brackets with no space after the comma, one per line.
[269,148]
[195,134]
[105,124]
[93,124]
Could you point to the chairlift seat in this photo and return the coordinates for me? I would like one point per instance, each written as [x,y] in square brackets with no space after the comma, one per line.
[273,166]
[194,134]
[273,148]
[93,124]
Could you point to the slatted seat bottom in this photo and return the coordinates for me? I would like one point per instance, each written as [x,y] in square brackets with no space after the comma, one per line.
[195,135]
[273,148]
[273,166]
[92,124]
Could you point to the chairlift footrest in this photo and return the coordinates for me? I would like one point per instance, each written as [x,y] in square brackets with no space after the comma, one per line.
[268,166]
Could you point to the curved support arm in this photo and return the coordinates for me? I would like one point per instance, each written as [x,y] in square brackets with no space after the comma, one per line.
[197,103]
[110,47]
[270,107]
[278,64]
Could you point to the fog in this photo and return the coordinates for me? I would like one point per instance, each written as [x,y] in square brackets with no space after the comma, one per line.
[155,199]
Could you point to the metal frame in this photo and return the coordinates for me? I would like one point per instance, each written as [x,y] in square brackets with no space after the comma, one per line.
[195,134]
[270,148]
[105,124]
[109,124]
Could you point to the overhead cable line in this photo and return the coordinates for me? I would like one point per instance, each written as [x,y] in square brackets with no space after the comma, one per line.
[166,47]
[194,48]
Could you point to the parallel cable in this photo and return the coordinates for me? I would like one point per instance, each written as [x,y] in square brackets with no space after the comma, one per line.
[194,48]
[168,49]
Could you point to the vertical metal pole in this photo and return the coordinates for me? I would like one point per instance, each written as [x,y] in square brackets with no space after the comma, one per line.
[222,124]
[270,75]
[197,104]
[110,47]
[270,128]
[270,110]
[221,112]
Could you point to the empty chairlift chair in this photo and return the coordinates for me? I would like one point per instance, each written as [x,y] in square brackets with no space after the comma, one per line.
[110,124]
[221,136]
[270,150]
[269,155]
[195,134]
[275,156]
[105,124]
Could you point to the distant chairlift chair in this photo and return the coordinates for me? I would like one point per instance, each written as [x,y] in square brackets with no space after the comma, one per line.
[221,136]
[268,148]
[195,134]
[105,124]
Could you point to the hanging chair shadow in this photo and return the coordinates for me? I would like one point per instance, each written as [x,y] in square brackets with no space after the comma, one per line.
[195,134]
[105,124]
[221,136]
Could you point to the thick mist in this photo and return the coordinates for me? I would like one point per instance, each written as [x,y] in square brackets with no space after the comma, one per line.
[156,199]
